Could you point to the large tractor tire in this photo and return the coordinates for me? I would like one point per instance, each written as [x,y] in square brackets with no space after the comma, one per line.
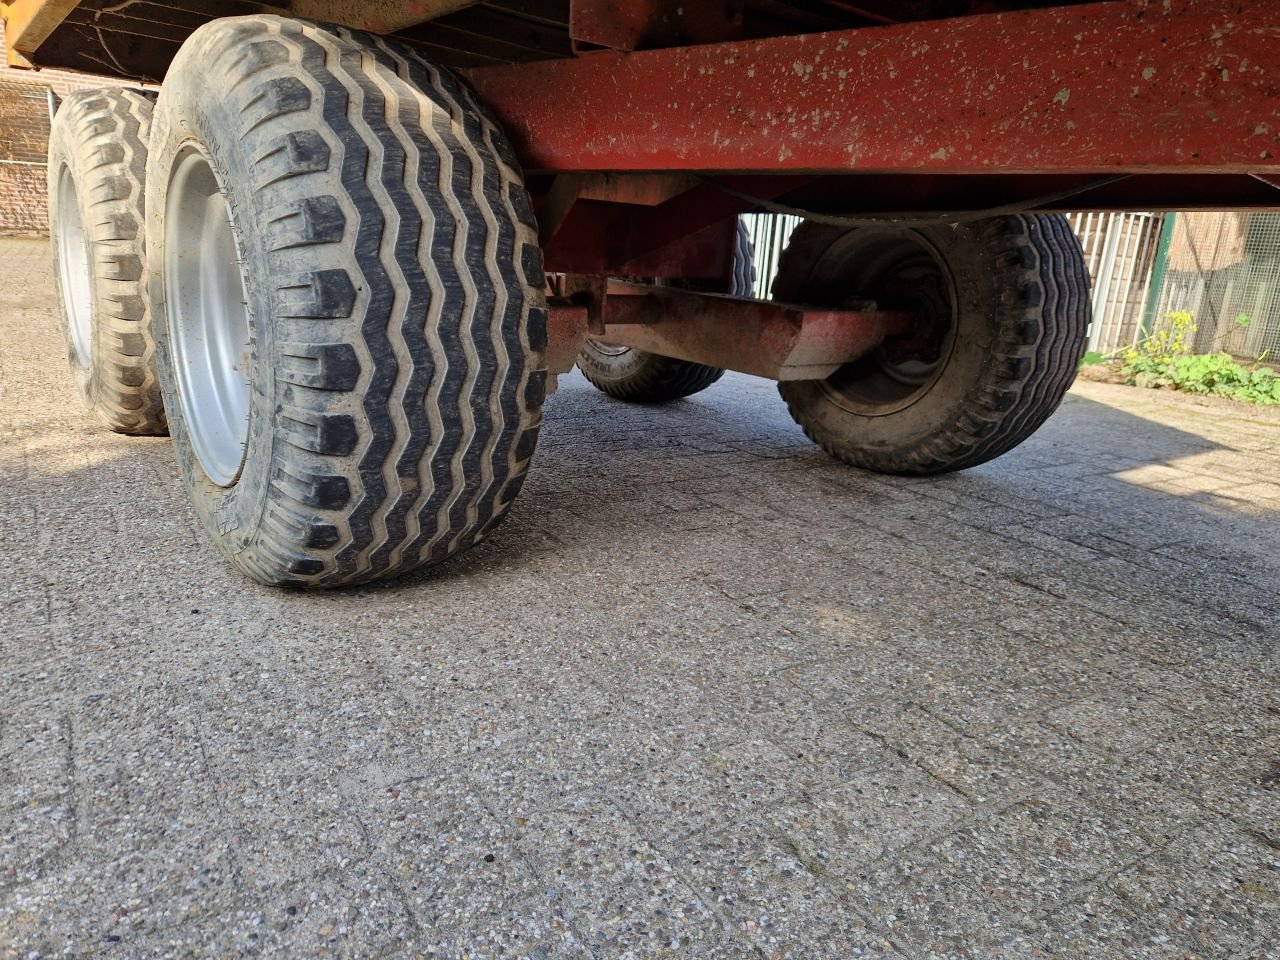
[1001,307]
[97,169]
[637,376]
[349,299]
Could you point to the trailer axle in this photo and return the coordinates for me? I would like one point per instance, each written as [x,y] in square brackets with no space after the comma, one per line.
[766,339]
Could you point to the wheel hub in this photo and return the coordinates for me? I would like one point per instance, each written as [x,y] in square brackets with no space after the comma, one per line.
[74,269]
[208,321]
[899,271]
[914,357]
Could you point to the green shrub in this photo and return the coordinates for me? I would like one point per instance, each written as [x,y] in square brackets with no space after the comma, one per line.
[1164,360]
[1092,358]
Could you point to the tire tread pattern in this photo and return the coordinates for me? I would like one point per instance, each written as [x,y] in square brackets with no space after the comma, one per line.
[102,136]
[405,302]
[1037,262]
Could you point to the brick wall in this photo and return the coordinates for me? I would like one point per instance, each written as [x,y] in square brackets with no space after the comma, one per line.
[24,132]
[24,140]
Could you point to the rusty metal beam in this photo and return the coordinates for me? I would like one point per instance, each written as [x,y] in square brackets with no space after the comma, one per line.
[775,340]
[758,337]
[566,332]
[377,16]
[28,22]
[1123,86]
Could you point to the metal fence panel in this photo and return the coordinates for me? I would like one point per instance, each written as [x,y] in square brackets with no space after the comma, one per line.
[1224,269]
[1119,251]
[769,233]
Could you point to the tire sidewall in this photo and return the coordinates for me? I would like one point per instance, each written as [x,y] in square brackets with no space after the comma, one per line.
[610,367]
[186,115]
[983,314]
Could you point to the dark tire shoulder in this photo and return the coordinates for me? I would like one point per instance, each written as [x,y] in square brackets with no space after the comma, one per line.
[1042,320]
[101,136]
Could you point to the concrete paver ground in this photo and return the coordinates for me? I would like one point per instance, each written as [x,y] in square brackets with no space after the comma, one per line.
[706,694]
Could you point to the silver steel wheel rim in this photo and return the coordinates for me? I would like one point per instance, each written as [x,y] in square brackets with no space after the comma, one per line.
[610,349]
[208,321]
[73,268]
[915,377]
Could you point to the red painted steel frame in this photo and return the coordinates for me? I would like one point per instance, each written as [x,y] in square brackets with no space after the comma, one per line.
[1123,86]
[641,241]
[760,337]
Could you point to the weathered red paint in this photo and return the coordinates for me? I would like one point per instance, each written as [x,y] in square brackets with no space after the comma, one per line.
[566,330]
[675,238]
[760,337]
[1173,86]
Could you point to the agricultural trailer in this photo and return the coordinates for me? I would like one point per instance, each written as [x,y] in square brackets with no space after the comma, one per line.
[344,253]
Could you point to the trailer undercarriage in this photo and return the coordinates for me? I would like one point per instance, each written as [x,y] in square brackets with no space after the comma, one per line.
[927,316]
